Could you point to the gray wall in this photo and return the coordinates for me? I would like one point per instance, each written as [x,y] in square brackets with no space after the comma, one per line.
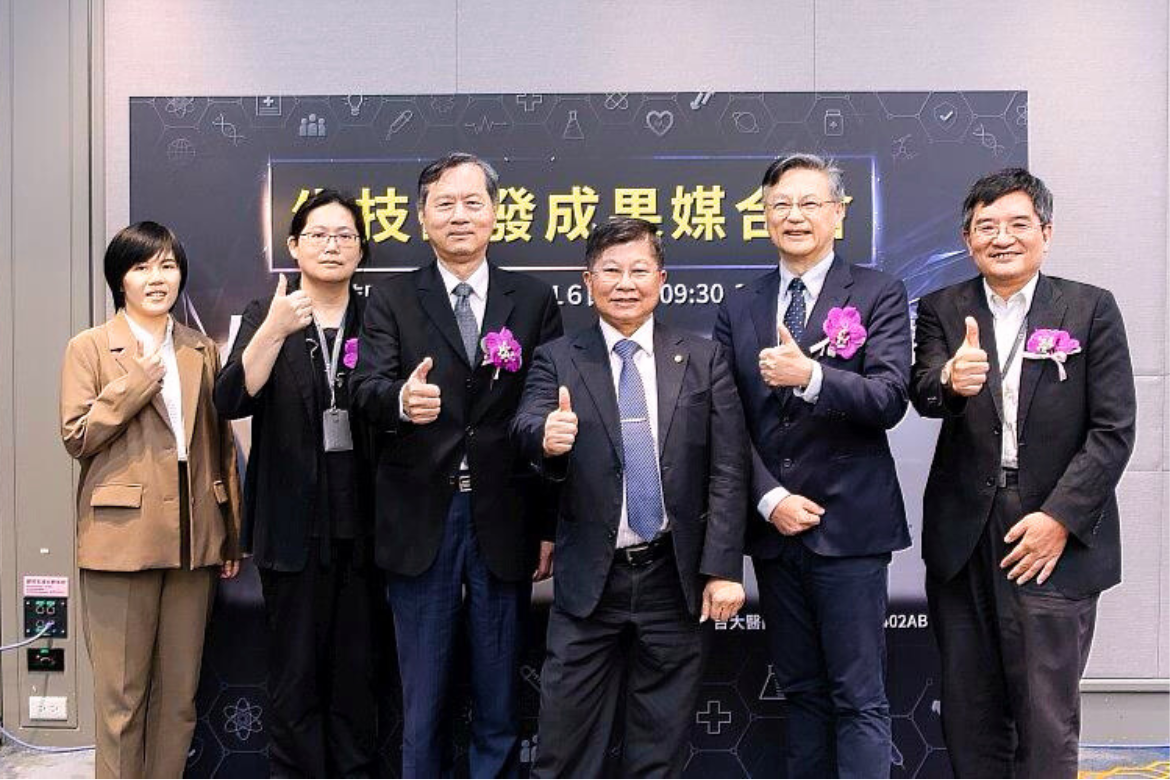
[1096,77]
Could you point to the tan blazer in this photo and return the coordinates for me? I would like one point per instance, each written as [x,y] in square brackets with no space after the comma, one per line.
[114,421]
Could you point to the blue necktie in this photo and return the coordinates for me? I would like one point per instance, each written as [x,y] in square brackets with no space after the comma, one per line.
[644,509]
[465,318]
[794,315]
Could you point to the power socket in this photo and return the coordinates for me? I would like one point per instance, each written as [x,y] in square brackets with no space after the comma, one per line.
[48,708]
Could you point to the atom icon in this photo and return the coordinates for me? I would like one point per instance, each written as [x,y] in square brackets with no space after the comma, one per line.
[242,719]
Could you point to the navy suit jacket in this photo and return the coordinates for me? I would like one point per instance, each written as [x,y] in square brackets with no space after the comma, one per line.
[1074,437]
[835,451]
[409,317]
[702,449]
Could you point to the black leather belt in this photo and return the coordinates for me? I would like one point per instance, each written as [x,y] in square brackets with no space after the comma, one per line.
[640,555]
[461,481]
[1009,477]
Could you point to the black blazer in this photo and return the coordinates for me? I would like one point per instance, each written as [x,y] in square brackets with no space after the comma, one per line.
[834,452]
[1075,437]
[283,480]
[702,456]
[409,317]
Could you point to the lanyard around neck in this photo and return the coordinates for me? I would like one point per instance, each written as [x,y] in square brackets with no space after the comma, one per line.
[334,358]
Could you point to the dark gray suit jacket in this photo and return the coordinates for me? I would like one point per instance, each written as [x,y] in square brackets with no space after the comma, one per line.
[703,460]
[1075,436]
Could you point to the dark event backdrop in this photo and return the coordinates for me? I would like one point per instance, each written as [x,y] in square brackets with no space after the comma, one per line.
[226,173]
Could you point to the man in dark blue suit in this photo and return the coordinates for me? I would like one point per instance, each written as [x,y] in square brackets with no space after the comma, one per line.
[641,425]
[456,528]
[821,355]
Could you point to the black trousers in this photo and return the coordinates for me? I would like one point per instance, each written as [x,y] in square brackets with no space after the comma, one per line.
[640,646]
[1012,660]
[322,716]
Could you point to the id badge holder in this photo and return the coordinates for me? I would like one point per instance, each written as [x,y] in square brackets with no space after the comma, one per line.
[338,437]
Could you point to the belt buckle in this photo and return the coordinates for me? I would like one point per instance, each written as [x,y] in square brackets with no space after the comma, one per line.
[463,482]
[639,555]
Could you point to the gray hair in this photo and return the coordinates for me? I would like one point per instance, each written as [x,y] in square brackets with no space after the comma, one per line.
[812,162]
[435,170]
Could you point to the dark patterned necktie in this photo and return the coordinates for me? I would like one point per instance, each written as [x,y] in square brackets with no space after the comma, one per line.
[794,315]
[465,317]
[644,510]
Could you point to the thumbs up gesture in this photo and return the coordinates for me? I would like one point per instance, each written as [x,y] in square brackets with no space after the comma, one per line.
[288,312]
[560,427]
[966,372]
[785,365]
[421,402]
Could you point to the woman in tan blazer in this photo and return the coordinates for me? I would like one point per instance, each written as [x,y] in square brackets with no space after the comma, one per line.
[157,504]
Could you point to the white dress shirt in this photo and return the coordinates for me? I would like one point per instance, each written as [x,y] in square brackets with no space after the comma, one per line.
[644,362]
[172,390]
[814,282]
[478,303]
[1008,318]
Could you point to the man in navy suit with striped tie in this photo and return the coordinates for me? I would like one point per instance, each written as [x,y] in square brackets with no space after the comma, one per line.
[642,426]
[821,354]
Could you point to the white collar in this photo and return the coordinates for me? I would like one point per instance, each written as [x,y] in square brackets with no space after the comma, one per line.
[1025,293]
[478,279]
[643,336]
[144,336]
[813,278]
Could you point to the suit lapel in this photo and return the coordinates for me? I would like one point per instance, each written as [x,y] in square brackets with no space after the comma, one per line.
[974,304]
[436,303]
[834,292]
[592,362]
[124,345]
[669,373]
[498,308]
[1048,310]
[189,358]
[497,311]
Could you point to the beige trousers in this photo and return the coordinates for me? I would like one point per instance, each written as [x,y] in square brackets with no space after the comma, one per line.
[144,631]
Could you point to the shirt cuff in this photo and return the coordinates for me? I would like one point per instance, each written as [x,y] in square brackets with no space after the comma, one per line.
[770,500]
[812,391]
[401,407]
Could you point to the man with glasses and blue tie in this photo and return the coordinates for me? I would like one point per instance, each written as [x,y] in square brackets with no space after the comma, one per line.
[1032,379]
[442,357]
[821,356]
[641,426]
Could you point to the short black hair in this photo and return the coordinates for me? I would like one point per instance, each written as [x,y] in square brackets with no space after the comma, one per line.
[622,230]
[435,170]
[993,186]
[324,198]
[136,244]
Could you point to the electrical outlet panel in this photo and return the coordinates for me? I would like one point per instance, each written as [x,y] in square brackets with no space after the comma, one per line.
[46,659]
[39,611]
[48,708]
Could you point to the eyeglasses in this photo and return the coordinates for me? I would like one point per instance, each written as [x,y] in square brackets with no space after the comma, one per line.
[1015,229]
[344,240]
[615,275]
[809,208]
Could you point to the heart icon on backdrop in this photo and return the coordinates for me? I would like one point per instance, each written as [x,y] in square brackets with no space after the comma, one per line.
[659,122]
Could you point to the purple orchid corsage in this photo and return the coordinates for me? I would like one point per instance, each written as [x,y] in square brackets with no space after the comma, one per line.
[844,333]
[502,350]
[350,356]
[1054,345]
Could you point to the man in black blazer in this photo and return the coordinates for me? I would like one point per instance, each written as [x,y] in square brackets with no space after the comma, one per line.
[821,353]
[450,493]
[1032,379]
[642,427]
